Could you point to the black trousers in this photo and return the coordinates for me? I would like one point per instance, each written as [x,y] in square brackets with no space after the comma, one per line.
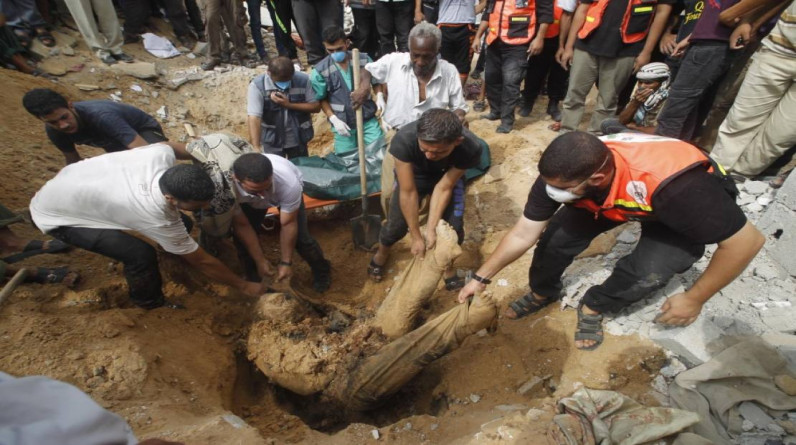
[306,246]
[659,254]
[137,12]
[394,20]
[281,13]
[312,17]
[702,67]
[365,36]
[395,228]
[456,46]
[505,68]
[544,66]
[140,259]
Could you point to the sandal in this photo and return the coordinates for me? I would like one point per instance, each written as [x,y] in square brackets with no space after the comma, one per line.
[528,305]
[36,247]
[375,271]
[46,275]
[590,327]
[45,38]
[454,283]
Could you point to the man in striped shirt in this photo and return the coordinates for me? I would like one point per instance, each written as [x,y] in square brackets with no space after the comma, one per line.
[759,127]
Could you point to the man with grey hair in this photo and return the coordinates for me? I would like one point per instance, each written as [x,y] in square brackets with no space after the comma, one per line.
[416,81]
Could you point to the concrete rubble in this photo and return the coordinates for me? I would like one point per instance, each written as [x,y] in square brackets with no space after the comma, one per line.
[140,70]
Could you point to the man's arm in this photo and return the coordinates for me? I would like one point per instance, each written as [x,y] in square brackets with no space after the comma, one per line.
[214,269]
[408,201]
[577,22]
[138,141]
[288,234]
[659,22]
[255,130]
[419,17]
[440,198]
[248,237]
[730,259]
[479,33]
[362,93]
[71,157]
[520,238]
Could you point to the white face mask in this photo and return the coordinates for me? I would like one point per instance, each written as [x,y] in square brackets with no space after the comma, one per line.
[562,196]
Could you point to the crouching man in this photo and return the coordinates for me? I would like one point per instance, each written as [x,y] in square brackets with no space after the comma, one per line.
[90,203]
[431,156]
[247,184]
[682,199]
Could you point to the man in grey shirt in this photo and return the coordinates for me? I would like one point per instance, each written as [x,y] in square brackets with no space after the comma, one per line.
[279,106]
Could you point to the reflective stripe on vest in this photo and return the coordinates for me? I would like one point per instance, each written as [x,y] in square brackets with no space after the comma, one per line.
[644,164]
[512,24]
[635,23]
[338,93]
[555,27]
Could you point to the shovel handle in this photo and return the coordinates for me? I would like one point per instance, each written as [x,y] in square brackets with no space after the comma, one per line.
[12,284]
[363,182]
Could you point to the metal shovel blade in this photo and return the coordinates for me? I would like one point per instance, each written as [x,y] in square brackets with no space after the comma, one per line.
[365,231]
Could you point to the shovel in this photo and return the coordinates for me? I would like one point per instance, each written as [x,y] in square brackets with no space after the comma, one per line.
[364,228]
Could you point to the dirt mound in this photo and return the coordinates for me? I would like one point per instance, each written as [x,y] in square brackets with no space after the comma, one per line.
[184,375]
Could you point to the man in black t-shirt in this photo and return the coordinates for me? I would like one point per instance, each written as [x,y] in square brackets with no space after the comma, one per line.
[607,44]
[98,123]
[431,156]
[681,198]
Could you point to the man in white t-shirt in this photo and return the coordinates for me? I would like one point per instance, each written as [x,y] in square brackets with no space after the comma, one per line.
[262,181]
[90,203]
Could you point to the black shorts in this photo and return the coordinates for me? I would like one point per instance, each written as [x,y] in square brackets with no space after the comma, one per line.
[456,45]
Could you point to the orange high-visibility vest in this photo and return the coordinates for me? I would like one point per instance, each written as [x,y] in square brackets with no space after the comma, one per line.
[555,27]
[644,164]
[635,23]
[513,25]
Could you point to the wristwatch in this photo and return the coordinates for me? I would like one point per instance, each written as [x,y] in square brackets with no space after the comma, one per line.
[481,279]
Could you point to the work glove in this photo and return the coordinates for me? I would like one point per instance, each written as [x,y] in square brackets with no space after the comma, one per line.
[341,127]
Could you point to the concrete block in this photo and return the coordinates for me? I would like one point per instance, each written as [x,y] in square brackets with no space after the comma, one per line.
[778,224]
[691,343]
[140,70]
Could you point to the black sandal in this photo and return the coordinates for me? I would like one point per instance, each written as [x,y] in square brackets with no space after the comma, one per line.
[375,271]
[590,327]
[454,283]
[47,275]
[527,305]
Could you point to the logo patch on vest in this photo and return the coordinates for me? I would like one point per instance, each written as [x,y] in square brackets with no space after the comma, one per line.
[638,190]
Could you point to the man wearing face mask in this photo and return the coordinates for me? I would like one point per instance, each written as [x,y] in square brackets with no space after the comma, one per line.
[332,83]
[280,103]
[416,81]
[431,156]
[682,198]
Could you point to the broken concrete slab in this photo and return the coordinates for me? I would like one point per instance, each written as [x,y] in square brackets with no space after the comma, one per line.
[87,87]
[755,187]
[495,173]
[691,343]
[753,413]
[140,70]
[778,224]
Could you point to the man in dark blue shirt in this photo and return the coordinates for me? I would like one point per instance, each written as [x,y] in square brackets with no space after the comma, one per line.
[98,123]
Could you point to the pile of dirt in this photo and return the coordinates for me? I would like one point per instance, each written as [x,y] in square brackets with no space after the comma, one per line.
[184,375]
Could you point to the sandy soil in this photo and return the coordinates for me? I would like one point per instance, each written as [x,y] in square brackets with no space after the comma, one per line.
[184,375]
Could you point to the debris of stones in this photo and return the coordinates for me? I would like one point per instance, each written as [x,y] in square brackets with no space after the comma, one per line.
[755,187]
[87,87]
[531,384]
[753,413]
[162,112]
[140,70]
[475,398]
[375,434]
